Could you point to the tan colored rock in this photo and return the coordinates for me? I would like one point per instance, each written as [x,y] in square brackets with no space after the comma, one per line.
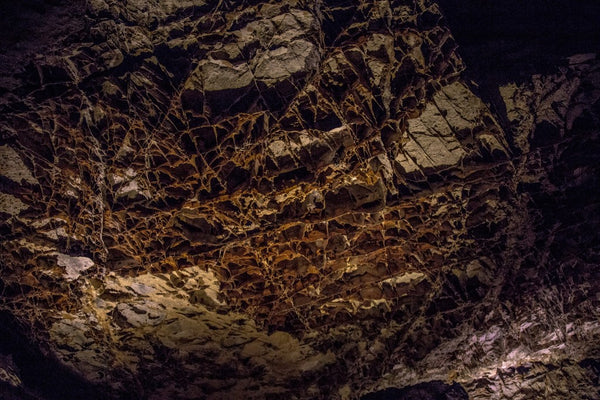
[12,167]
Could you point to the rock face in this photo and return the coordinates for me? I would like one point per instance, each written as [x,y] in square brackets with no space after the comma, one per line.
[293,200]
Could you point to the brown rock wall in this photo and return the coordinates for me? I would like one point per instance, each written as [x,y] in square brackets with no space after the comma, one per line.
[294,199]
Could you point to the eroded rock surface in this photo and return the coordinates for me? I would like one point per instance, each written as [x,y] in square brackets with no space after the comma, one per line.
[296,199]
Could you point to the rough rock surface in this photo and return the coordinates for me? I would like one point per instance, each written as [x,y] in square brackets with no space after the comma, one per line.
[293,200]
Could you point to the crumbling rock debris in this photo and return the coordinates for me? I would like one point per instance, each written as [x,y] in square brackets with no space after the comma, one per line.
[293,199]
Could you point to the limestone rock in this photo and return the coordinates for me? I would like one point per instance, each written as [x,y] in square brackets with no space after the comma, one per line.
[293,199]
[74,266]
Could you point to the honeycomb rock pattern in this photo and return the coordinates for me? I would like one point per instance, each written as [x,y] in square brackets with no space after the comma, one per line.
[294,199]
[269,143]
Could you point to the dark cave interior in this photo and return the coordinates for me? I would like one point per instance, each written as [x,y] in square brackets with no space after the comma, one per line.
[500,42]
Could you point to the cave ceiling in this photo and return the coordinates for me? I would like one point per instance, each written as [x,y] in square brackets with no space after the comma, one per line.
[295,199]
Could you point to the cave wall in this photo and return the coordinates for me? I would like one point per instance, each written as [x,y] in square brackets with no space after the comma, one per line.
[293,199]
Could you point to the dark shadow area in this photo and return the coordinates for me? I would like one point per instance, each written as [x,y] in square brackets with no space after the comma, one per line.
[513,39]
[43,377]
[22,20]
[30,28]
[434,390]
